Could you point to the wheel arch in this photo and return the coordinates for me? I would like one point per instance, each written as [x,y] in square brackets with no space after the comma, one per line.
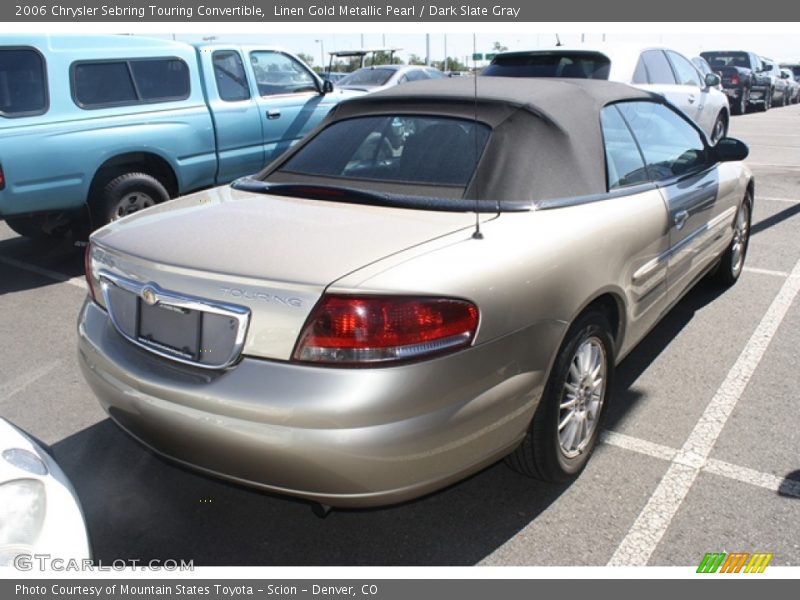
[610,302]
[149,163]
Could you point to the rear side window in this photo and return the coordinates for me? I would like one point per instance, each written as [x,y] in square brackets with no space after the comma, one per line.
[581,65]
[624,162]
[124,82]
[368,76]
[230,76]
[671,146]
[23,85]
[403,149]
[653,65]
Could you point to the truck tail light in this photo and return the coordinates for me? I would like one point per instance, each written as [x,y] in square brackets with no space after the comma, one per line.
[364,330]
[735,79]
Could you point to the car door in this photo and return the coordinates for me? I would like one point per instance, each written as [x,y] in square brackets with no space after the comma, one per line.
[645,275]
[655,73]
[697,93]
[289,97]
[677,161]
[237,124]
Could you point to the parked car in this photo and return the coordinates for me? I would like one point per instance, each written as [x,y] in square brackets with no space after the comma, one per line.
[372,79]
[780,89]
[744,79]
[40,514]
[124,122]
[453,283]
[794,68]
[792,84]
[659,70]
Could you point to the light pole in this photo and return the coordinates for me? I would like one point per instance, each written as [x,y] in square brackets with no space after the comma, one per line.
[321,54]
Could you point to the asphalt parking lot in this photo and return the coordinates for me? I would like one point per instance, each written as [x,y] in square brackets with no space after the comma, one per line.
[701,452]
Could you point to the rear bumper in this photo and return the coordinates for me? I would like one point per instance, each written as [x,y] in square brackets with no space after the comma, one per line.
[343,437]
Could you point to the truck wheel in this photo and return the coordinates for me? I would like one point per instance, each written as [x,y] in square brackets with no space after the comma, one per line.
[127,194]
[767,103]
[39,227]
[567,422]
[744,102]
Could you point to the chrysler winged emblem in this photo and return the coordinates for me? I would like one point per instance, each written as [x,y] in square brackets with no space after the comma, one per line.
[149,296]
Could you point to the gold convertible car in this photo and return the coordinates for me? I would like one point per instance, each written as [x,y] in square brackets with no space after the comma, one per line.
[438,277]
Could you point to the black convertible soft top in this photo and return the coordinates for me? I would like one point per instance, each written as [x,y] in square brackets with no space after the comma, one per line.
[546,139]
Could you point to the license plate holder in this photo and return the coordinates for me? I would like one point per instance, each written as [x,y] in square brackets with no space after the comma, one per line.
[172,329]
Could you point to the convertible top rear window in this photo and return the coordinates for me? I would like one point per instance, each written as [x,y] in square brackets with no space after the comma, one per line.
[409,149]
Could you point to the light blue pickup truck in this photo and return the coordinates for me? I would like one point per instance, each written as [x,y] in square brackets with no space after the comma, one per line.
[93,128]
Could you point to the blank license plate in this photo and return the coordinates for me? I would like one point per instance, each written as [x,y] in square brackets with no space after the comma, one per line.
[172,329]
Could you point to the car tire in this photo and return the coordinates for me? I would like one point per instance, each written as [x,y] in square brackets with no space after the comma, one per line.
[743,104]
[38,228]
[720,129]
[553,450]
[125,195]
[767,103]
[732,262]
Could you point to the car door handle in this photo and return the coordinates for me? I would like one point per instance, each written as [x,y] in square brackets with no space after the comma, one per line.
[680,219]
[273,114]
[691,99]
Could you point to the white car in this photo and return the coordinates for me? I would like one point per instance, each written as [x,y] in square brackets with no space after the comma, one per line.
[660,70]
[381,77]
[39,511]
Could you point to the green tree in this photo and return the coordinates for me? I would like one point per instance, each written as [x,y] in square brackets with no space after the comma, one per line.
[451,64]
[306,58]
[415,60]
[383,58]
[498,47]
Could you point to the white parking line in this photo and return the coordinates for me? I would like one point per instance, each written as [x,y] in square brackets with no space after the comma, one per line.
[718,467]
[56,276]
[19,383]
[766,272]
[651,524]
[775,165]
[787,487]
[773,199]
[620,440]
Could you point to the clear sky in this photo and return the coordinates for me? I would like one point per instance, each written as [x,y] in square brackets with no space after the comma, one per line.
[782,44]
[779,41]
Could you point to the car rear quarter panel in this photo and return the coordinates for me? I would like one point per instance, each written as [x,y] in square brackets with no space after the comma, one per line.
[543,266]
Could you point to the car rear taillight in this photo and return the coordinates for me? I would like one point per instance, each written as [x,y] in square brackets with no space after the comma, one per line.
[364,330]
[735,79]
[2,178]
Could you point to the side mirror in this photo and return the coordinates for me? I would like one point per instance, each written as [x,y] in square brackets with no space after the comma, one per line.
[327,86]
[712,80]
[729,150]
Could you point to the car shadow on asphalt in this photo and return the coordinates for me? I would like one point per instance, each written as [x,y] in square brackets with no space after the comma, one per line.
[59,256]
[775,219]
[647,351]
[139,506]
